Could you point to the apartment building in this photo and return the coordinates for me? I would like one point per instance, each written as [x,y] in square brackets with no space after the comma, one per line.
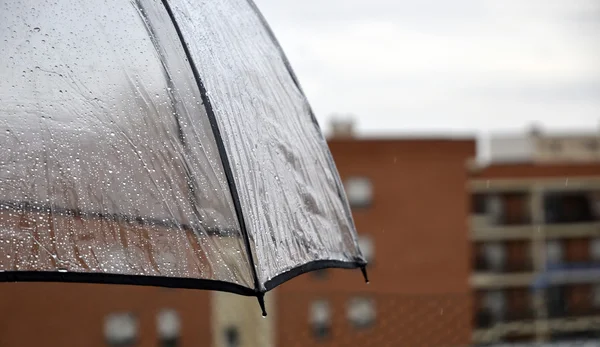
[535,236]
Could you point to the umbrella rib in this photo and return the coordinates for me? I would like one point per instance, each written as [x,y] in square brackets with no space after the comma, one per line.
[222,153]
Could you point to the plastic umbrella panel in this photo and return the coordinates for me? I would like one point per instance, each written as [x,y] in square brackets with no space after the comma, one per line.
[165,140]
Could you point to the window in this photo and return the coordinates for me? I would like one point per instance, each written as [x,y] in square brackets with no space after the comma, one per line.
[571,207]
[320,318]
[554,252]
[359,191]
[478,204]
[361,312]
[232,337]
[168,326]
[365,243]
[592,144]
[321,274]
[495,302]
[596,295]
[595,205]
[595,249]
[556,301]
[495,256]
[121,329]
[495,209]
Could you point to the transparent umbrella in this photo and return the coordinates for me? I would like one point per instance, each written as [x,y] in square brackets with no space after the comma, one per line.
[161,143]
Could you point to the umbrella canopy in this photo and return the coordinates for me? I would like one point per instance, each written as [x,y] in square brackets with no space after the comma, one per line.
[160,143]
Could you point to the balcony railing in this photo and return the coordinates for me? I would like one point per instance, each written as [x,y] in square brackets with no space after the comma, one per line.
[573,312]
[540,327]
[484,319]
[481,264]
[528,232]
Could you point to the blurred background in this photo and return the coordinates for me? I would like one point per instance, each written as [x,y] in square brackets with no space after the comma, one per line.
[467,135]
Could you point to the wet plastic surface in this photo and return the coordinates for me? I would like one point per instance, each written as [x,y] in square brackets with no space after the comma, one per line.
[109,163]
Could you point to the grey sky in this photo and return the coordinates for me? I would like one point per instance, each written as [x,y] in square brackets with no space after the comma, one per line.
[435,66]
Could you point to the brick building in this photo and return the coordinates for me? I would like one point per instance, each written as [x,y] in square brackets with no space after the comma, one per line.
[521,264]
[535,231]
[411,208]
[56,314]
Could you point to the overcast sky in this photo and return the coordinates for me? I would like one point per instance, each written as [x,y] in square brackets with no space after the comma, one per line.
[437,66]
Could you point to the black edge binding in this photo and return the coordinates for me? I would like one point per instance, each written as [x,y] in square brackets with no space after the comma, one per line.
[312,266]
[221,147]
[137,280]
[363,269]
[261,303]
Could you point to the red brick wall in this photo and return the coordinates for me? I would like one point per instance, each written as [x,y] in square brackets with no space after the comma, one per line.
[418,221]
[55,314]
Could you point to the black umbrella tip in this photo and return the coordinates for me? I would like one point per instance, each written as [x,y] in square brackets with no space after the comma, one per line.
[261,302]
[363,269]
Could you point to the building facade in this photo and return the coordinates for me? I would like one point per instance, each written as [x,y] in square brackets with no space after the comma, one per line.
[535,233]
[410,207]
[58,314]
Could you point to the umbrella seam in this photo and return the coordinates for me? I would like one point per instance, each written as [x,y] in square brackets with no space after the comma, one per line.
[221,148]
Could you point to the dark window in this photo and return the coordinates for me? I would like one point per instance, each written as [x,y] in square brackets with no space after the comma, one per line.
[484,319]
[508,208]
[232,337]
[568,208]
[320,331]
[322,274]
[490,257]
[556,301]
[169,342]
[320,319]
[168,327]
[595,249]
[494,301]
[515,209]
[478,203]
[596,295]
[574,338]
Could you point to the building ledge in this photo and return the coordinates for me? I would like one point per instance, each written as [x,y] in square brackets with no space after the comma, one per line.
[539,327]
[528,184]
[486,280]
[527,232]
